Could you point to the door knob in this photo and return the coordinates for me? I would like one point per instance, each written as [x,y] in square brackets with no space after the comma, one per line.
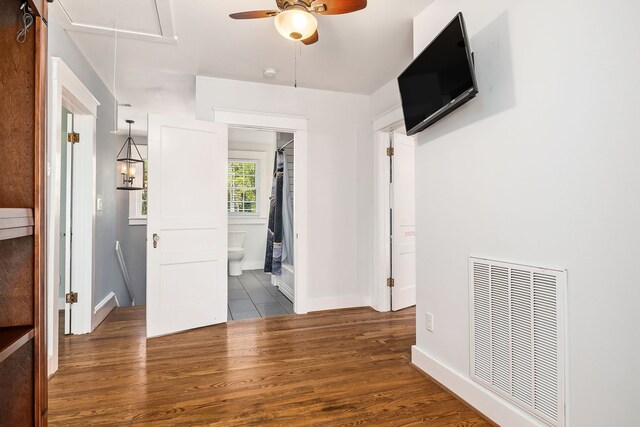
[156,239]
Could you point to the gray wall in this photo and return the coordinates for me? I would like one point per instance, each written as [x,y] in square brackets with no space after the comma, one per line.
[284,138]
[132,239]
[107,271]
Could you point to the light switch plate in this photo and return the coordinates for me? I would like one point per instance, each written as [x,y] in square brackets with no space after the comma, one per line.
[99,204]
[429,322]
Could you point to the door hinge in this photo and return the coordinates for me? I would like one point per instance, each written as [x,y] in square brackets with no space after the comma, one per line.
[390,282]
[72,298]
[73,137]
[390,151]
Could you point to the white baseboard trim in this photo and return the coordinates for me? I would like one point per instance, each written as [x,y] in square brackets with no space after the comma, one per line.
[333,303]
[286,289]
[490,405]
[286,282]
[52,366]
[252,265]
[104,307]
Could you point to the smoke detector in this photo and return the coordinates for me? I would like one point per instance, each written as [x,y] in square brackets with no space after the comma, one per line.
[270,73]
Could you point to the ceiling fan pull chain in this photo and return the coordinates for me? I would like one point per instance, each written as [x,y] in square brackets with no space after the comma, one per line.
[115,69]
[295,64]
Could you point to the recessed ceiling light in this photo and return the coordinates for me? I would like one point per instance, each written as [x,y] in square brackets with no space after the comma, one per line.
[270,72]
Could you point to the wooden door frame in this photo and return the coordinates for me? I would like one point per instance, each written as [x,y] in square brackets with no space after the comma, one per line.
[382,127]
[297,125]
[66,89]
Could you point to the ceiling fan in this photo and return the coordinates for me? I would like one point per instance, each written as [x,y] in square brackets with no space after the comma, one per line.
[294,18]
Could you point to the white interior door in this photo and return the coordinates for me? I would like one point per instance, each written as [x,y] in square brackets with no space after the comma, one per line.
[186,225]
[403,242]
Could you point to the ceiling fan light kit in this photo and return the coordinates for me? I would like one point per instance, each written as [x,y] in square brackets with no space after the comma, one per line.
[295,19]
[296,23]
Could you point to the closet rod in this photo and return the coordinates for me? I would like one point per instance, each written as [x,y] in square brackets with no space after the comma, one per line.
[285,145]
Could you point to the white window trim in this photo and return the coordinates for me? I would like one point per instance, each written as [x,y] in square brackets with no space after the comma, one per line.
[135,198]
[260,158]
[257,187]
[247,220]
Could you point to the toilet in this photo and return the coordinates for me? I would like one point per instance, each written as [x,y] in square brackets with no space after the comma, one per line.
[236,252]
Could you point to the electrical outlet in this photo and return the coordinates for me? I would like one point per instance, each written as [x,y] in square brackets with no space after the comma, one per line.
[429,323]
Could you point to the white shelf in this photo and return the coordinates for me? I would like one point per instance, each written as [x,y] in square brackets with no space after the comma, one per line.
[15,222]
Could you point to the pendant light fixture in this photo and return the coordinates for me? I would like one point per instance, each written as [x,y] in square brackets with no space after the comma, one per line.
[128,159]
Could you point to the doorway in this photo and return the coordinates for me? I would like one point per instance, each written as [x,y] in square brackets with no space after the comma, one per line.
[65,241]
[394,215]
[252,292]
[296,126]
[402,208]
[69,263]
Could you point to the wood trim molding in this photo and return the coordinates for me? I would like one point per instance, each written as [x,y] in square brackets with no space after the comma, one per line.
[41,8]
[13,340]
[39,295]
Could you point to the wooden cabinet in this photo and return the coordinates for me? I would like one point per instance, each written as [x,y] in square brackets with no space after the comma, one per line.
[23,374]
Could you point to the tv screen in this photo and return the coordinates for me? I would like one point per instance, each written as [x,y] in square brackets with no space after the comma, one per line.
[439,80]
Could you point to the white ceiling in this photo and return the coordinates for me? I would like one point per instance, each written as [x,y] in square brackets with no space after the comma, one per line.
[163,44]
[140,17]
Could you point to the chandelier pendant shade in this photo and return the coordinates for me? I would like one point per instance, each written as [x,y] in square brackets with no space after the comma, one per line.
[129,158]
[296,23]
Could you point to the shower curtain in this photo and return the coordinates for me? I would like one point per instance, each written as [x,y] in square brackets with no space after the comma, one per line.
[280,230]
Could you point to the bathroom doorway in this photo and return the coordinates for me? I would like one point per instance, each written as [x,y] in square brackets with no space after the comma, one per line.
[252,293]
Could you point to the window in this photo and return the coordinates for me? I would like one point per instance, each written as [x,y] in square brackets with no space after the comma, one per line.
[242,194]
[138,199]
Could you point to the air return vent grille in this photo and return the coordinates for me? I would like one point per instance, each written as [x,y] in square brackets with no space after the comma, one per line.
[517,338]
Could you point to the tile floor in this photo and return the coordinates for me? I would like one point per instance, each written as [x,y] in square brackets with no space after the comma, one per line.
[252,295]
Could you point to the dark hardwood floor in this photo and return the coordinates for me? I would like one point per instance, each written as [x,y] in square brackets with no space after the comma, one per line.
[343,367]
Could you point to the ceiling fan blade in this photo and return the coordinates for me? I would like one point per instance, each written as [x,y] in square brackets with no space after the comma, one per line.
[311,40]
[254,14]
[338,7]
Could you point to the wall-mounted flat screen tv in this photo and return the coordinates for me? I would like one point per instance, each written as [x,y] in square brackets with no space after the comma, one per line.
[439,80]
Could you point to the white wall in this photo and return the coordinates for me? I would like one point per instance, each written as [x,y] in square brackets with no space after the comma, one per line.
[339,177]
[385,99]
[541,168]
[263,145]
